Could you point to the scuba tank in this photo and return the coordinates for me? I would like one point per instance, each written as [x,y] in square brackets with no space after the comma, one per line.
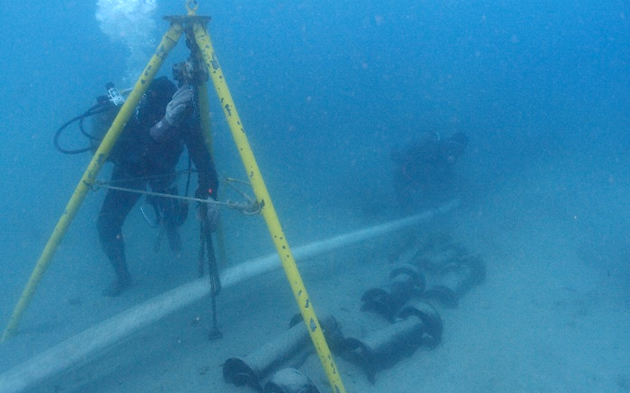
[102,119]
[101,115]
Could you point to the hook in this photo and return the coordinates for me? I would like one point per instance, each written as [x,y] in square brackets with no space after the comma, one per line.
[191,6]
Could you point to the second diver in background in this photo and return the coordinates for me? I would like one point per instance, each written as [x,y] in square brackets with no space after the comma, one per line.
[424,170]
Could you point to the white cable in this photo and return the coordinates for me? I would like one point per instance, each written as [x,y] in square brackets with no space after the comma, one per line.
[86,346]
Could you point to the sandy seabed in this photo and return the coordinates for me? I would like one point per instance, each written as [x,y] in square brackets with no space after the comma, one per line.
[548,317]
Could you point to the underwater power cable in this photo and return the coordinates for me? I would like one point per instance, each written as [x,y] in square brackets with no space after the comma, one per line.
[91,343]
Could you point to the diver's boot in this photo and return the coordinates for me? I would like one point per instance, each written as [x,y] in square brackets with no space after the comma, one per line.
[120,282]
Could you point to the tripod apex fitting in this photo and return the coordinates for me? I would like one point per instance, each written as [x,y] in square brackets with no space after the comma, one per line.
[185,20]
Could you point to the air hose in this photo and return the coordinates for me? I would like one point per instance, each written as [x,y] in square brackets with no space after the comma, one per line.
[103,105]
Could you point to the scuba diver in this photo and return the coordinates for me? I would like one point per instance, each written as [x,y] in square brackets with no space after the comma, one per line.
[424,170]
[146,154]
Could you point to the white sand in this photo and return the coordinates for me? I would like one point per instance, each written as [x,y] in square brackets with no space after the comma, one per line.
[553,314]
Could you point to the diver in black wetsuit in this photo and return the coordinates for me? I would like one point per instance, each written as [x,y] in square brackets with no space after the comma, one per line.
[424,170]
[147,153]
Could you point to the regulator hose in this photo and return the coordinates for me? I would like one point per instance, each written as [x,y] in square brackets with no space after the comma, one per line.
[101,107]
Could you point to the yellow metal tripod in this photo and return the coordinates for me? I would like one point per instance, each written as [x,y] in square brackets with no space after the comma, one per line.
[196,24]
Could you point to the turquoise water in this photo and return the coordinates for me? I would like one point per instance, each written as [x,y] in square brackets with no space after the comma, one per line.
[326,90]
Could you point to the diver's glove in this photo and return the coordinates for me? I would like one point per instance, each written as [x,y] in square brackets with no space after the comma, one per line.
[210,213]
[165,131]
[176,109]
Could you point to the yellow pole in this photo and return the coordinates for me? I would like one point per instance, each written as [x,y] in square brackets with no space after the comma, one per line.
[168,42]
[268,211]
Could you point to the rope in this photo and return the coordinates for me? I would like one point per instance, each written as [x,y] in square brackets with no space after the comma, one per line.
[152,177]
[248,208]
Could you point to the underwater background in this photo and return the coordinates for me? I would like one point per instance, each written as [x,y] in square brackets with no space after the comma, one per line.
[326,90]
